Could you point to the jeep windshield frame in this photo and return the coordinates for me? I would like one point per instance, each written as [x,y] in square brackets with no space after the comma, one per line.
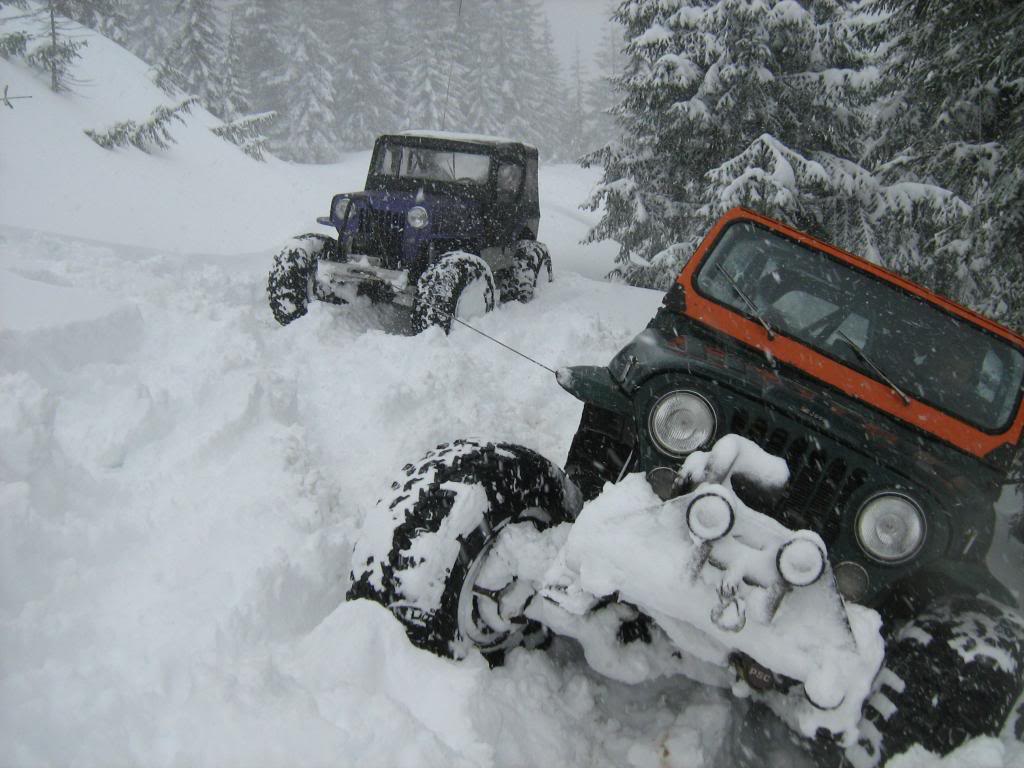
[913,345]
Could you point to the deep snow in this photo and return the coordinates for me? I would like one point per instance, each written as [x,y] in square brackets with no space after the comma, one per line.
[182,481]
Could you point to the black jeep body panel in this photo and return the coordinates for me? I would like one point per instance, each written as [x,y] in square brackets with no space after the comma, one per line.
[839,451]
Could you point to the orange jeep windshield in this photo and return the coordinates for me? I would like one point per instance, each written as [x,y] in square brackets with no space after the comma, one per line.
[865,323]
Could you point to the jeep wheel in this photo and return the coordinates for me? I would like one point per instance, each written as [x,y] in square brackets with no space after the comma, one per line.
[951,674]
[531,267]
[456,285]
[424,553]
[289,287]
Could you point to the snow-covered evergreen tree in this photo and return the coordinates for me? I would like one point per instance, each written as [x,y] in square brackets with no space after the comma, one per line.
[105,16]
[235,98]
[610,64]
[149,29]
[952,115]
[727,102]
[261,31]
[549,109]
[54,50]
[191,63]
[365,95]
[307,128]
[432,53]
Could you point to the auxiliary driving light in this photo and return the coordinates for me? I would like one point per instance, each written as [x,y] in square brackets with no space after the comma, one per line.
[801,560]
[710,516]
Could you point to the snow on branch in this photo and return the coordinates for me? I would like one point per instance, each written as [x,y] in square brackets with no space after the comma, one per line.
[13,44]
[247,133]
[153,133]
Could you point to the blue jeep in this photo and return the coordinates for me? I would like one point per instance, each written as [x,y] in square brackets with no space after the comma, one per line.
[446,227]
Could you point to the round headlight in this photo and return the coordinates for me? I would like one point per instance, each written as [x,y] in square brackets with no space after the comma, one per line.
[890,527]
[340,209]
[418,217]
[681,422]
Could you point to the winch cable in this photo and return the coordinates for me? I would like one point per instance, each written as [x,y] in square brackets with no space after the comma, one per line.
[451,66]
[503,344]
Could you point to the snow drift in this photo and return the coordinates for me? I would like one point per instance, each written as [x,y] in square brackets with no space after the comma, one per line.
[181,480]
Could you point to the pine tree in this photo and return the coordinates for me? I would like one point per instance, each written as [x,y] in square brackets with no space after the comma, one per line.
[726,102]
[960,131]
[480,80]
[307,130]
[105,16]
[432,53]
[191,63]
[234,93]
[261,32]
[54,50]
[610,63]
[365,96]
[147,34]
[549,109]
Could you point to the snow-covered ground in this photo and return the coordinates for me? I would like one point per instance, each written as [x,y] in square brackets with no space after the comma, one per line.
[181,480]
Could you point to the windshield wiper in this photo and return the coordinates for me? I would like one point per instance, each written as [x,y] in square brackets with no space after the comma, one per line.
[878,371]
[753,307]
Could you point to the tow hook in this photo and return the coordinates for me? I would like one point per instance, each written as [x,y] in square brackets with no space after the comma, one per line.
[758,677]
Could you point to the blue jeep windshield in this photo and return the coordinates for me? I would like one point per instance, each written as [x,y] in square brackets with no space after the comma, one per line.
[430,164]
[805,294]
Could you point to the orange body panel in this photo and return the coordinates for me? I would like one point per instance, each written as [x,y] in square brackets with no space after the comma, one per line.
[846,379]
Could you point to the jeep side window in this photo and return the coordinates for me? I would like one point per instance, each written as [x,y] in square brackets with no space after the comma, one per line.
[530,193]
[510,176]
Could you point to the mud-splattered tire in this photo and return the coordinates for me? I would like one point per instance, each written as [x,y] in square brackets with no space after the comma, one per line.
[421,544]
[458,285]
[952,673]
[531,267]
[288,287]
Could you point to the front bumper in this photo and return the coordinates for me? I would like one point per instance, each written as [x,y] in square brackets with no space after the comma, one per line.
[343,280]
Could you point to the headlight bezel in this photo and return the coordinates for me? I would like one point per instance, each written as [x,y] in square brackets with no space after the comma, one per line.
[339,213]
[661,402]
[417,214]
[860,521]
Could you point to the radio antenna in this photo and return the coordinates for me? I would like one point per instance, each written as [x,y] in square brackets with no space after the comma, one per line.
[451,66]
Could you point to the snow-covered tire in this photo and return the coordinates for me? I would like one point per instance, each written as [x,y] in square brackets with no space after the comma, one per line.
[458,285]
[424,543]
[952,673]
[530,268]
[289,288]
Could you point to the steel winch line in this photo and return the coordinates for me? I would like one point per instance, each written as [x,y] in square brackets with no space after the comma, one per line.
[503,344]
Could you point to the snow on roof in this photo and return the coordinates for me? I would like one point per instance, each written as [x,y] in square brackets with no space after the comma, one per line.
[472,138]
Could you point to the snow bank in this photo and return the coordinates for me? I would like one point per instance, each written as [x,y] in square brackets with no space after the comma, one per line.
[181,480]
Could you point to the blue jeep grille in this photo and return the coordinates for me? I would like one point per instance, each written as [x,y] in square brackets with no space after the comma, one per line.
[379,233]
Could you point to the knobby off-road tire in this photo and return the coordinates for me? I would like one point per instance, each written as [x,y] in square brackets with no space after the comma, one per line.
[459,285]
[951,673]
[289,286]
[531,267]
[423,543]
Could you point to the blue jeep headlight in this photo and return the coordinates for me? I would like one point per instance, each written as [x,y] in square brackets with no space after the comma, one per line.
[418,217]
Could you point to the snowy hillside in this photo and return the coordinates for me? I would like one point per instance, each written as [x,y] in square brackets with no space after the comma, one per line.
[182,480]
